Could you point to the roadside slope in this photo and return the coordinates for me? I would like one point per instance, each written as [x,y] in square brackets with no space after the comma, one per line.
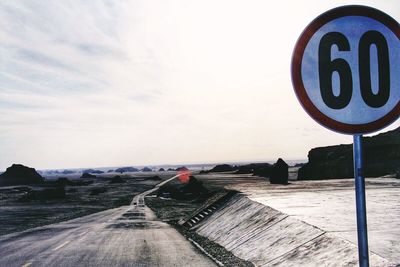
[267,237]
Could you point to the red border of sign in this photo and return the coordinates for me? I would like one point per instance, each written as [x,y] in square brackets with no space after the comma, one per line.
[297,81]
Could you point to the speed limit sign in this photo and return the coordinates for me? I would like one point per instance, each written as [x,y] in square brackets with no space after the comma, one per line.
[346,75]
[346,69]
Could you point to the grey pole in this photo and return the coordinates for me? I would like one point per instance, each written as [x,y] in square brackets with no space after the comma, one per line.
[360,202]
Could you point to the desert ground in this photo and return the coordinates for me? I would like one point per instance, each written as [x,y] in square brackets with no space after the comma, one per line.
[82,219]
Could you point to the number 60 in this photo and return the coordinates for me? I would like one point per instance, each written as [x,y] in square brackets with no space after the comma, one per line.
[327,67]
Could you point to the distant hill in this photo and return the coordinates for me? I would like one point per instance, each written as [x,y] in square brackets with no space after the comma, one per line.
[146,169]
[67,172]
[19,174]
[182,168]
[223,168]
[381,157]
[126,169]
[92,171]
[86,175]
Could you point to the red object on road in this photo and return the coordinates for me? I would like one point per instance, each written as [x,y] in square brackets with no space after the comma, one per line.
[184,176]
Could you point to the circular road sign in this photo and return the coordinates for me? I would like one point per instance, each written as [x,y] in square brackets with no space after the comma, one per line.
[346,69]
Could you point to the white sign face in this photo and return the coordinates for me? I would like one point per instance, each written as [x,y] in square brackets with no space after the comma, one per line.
[346,69]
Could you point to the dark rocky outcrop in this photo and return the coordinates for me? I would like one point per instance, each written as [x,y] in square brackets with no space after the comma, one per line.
[161,170]
[117,180]
[19,174]
[223,168]
[110,171]
[381,155]
[279,172]
[191,190]
[260,169]
[146,169]
[263,171]
[180,169]
[244,169]
[194,188]
[126,169]
[87,175]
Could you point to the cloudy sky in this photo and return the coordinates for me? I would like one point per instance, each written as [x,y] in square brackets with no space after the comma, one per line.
[111,83]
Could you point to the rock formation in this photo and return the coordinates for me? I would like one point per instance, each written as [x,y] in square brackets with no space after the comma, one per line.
[126,169]
[381,155]
[191,190]
[180,169]
[223,168]
[87,175]
[259,169]
[279,172]
[19,174]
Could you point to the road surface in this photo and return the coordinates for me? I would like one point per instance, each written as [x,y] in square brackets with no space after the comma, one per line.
[125,236]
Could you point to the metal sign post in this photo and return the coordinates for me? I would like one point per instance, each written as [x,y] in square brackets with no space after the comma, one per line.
[345,69]
[360,202]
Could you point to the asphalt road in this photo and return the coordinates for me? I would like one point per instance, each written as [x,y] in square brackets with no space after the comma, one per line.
[125,236]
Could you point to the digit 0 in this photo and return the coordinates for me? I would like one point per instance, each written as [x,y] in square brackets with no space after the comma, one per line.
[364,51]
